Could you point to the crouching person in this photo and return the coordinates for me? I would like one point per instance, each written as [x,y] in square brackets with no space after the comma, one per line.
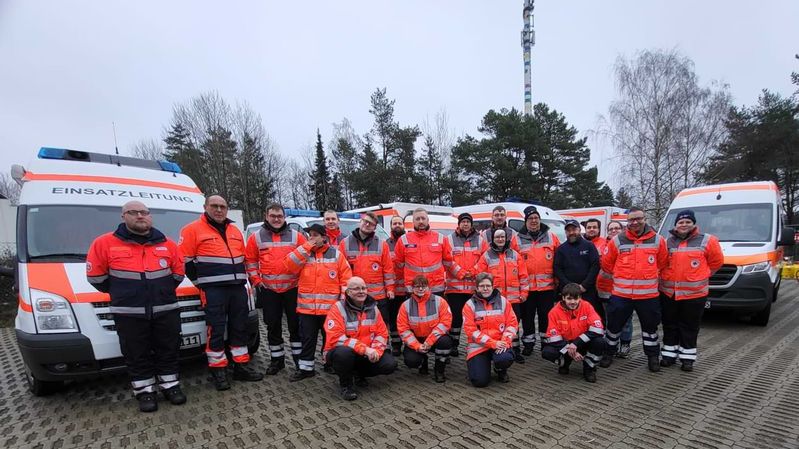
[425,316]
[575,333]
[490,326]
[356,339]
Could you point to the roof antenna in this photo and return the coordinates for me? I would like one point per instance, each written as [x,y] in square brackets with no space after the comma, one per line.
[116,147]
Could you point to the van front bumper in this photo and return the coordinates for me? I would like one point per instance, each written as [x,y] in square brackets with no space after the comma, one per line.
[750,293]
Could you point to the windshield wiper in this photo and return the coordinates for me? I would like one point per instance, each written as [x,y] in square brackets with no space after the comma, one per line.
[59,256]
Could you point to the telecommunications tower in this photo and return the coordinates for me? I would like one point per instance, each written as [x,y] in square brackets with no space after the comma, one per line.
[528,40]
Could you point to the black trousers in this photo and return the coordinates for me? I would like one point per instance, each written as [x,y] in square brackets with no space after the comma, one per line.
[456,302]
[310,325]
[518,310]
[150,348]
[619,311]
[275,305]
[226,309]
[591,350]
[681,321]
[393,311]
[538,303]
[479,366]
[348,363]
[415,359]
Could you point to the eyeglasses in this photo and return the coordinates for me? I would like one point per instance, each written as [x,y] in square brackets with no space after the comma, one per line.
[135,213]
[276,216]
[419,287]
[483,287]
[369,224]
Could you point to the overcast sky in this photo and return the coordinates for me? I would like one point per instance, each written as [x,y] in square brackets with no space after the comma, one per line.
[68,69]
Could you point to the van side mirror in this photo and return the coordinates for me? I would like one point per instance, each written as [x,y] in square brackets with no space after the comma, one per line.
[787,237]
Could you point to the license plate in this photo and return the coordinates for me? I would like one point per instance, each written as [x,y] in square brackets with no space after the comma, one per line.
[189,341]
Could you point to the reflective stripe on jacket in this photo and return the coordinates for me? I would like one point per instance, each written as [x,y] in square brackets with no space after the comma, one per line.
[399,279]
[539,255]
[692,260]
[635,263]
[604,280]
[509,272]
[355,328]
[426,253]
[466,252]
[323,275]
[211,259]
[370,260]
[265,255]
[486,322]
[582,323]
[424,318]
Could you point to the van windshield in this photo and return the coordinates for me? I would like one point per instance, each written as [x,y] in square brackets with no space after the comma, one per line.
[730,223]
[64,233]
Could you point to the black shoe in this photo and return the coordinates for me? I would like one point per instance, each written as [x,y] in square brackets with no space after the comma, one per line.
[328,368]
[654,363]
[361,381]
[563,367]
[606,361]
[395,351]
[219,378]
[275,366]
[687,365]
[148,402]
[175,395]
[424,369]
[438,372]
[502,376]
[243,372]
[624,350]
[563,370]
[589,374]
[667,362]
[454,352]
[528,350]
[348,393]
[517,357]
[301,375]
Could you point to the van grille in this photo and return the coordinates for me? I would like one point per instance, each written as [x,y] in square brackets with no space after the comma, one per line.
[190,311]
[725,274]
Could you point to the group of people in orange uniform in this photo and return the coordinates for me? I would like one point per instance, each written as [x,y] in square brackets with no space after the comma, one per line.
[413,294]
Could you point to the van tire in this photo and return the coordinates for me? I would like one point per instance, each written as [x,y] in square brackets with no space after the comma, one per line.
[761,318]
[42,388]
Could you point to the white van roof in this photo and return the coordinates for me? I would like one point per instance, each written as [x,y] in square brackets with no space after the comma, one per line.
[514,210]
[404,209]
[733,193]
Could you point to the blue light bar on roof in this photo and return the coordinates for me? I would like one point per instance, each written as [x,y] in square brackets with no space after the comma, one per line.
[354,215]
[101,158]
[52,153]
[303,213]
[170,167]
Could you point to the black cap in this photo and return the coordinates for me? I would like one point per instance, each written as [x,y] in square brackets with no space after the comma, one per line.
[465,216]
[687,213]
[317,228]
[530,210]
[571,222]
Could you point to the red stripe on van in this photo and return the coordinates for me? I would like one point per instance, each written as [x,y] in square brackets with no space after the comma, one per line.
[108,180]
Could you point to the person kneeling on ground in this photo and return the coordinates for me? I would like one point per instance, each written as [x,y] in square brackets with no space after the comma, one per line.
[425,316]
[490,325]
[575,333]
[356,339]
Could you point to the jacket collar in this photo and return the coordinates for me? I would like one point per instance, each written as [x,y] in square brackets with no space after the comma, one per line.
[693,232]
[124,234]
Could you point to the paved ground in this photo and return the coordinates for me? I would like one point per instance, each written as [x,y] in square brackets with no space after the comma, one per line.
[744,393]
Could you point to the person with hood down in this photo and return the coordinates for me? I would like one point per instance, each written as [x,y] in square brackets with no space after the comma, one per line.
[423,322]
[490,325]
[397,231]
[577,261]
[510,277]
[356,339]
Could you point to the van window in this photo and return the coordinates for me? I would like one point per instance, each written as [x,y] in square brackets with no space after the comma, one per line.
[730,223]
[64,233]
[554,226]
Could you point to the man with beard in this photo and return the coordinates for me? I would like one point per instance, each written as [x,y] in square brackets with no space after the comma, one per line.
[275,286]
[577,261]
[467,247]
[397,231]
[141,268]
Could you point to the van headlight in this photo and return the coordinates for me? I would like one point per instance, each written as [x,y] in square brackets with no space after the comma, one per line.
[756,267]
[53,313]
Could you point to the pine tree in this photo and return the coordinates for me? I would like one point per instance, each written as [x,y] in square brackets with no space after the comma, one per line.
[181,150]
[320,177]
[370,183]
[221,152]
[384,128]
[623,199]
[254,188]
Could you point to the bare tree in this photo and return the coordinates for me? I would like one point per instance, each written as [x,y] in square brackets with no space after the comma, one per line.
[148,149]
[343,148]
[9,188]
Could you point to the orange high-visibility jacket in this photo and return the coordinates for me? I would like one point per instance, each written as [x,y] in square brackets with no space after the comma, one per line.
[356,328]
[604,281]
[211,259]
[568,325]
[323,277]
[511,235]
[265,254]
[486,322]
[424,318]
[635,263]
[466,252]
[370,259]
[399,280]
[509,271]
[539,254]
[692,261]
[426,253]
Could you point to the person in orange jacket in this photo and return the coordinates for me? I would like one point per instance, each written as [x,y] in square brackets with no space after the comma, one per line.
[275,286]
[575,333]
[499,220]
[426,252]
[468,246]
[490,325]
[635,259]
[397,231]
[140,268]
[213,249]
[425,316]
[693,258]
[323,275]
[604,283]
[332,228]
[537,245]
[510,277]
[356,339]
[370,259]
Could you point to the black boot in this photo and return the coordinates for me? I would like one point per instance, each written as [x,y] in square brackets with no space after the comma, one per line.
[301,374]
[361,381]
[148,402]
[528,349]
[243,372]
[667,362]
[563,365]
[606,361]
[687,365]
[424,369]
[438,371]
[589,373]
[174,395]
[275,366]
[654,363]
[517,355]
[348,392]
[502,376]
[454,352]
[219,378]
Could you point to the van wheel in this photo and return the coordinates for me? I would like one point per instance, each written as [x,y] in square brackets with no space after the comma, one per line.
[40,387]
[761,318]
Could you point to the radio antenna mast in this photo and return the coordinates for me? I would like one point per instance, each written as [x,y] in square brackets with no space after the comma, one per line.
[114,128]
[528,40]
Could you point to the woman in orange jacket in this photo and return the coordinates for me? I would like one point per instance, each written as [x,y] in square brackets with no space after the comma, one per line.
[490,325]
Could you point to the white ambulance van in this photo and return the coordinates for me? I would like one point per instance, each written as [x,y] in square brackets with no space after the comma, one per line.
[749,221]
[441,218]
[64,328]
[515,216]
[604,214]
